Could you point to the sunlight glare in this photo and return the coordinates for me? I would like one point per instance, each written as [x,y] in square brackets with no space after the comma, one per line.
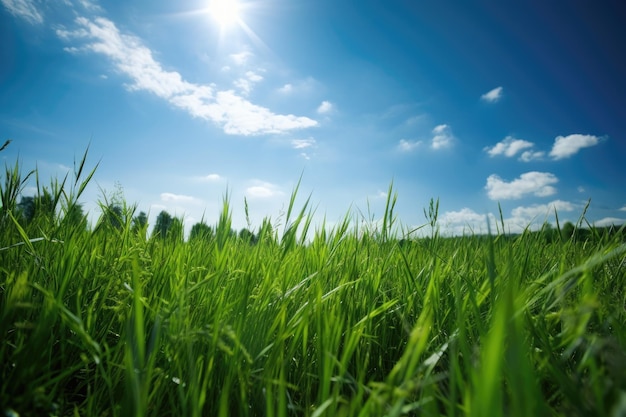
[225,12]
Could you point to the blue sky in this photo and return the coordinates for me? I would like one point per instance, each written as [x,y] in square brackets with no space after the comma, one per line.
[477,103]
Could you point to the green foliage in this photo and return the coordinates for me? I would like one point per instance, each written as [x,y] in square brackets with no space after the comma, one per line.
[347,322]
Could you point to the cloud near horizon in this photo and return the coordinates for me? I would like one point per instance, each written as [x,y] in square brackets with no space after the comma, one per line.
[534,183]
[233,113]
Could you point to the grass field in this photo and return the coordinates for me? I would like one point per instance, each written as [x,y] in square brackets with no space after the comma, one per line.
[353,321]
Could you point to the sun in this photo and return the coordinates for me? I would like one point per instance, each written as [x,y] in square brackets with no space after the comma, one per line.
[225,12]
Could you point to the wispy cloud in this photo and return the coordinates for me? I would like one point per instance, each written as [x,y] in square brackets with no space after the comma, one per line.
[177,198]
[528,156]
[286,89]
[566,146]
[241,58]
[302,143]
[493,95]
[325,108]
[534,183]
[24,9]
[304,86]
[508,147]
[210,178]
[246,83]
[233,113]
[408,145]
[89,5]
[443,137]
[623,208]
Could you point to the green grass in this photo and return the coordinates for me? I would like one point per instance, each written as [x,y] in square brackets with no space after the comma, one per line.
[351,322]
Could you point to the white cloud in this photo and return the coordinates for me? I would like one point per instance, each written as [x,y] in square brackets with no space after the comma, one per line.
[89,5]
[535,183]
[24,9]
[241,58]
[566,146]
[528,156]
[609,221]
[408,145]
[581,189]
[234,114]
[325,108]
[493,95]
[464,216]
[178,198]
[304,86]
[529,213]
[246,83]
[623,208]
[210,178]
[302,143]
[286,89]
[465,221]
[262,190]
[443,137]
[509,147]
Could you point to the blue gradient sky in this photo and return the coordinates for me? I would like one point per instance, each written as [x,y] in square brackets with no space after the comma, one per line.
[476,103]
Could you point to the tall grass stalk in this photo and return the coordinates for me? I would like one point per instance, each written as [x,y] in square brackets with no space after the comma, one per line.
[348,321]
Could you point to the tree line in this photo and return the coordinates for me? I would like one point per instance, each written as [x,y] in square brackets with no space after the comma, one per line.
[41,210]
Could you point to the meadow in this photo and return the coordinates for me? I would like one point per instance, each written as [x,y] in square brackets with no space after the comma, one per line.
[306,320]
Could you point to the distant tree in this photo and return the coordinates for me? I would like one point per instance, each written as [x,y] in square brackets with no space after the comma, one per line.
[163,224]
[45,205]
[75,217]
[549,233]
[568,230]
[40,207]
[113,215]
[266,231]
[247,236]
[176,232]
[201,231]
[140,222]
[26,209]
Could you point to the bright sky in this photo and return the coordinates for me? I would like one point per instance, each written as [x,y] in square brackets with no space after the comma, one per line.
[476,103]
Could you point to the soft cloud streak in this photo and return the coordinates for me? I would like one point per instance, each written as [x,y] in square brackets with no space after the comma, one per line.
[178,198]
[408,145]
[234,114]
[23,9]
[302,143]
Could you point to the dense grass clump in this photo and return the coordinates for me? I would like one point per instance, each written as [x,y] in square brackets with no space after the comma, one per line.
[353,321]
